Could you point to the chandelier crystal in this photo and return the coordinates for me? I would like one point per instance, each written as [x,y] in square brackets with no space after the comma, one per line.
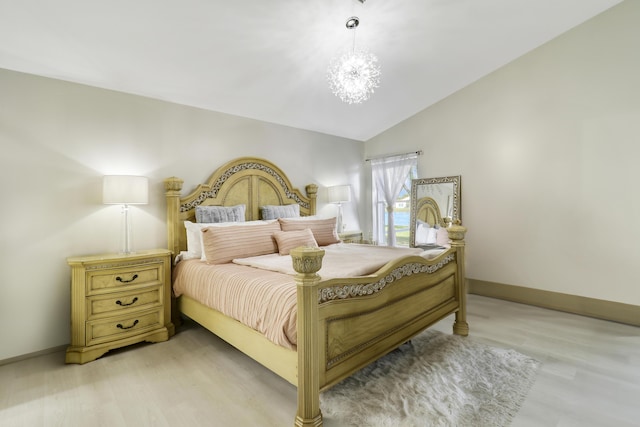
[354,75]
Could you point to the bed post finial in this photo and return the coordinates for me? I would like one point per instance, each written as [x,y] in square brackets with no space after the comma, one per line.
[456,234]
[312,193]
[172,188]
[307,262]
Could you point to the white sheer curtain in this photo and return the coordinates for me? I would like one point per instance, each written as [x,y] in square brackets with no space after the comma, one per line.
[389,174]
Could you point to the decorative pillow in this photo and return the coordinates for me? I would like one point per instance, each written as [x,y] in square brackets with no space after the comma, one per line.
[223,244]
[324,230]
[288,240]
[282,211]
[215,214]
[194,235]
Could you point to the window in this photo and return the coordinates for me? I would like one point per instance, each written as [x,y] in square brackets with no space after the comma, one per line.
[391,177]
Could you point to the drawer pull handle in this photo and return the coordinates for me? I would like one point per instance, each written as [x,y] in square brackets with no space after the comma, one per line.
[119,325]
[121,280]
[124,304]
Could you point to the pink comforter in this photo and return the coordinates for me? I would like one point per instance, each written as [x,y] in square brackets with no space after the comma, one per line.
[266,300]
[262,300]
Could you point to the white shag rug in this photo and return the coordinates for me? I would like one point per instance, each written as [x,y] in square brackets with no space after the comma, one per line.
[435,380]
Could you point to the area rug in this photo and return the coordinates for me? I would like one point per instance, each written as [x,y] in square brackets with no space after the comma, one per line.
[435,380]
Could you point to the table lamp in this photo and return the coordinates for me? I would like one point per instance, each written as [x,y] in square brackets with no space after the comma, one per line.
[339,194]
[125,190]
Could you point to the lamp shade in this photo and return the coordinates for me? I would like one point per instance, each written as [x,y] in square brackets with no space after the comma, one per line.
[339,193]
[125,190]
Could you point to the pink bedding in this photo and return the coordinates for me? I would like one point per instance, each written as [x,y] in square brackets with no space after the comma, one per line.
[262,300]
[265,300]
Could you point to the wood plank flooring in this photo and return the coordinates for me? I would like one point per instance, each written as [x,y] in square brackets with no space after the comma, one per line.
[590,377]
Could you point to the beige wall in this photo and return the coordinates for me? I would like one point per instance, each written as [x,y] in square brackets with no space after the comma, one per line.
[58,139]
[548,149]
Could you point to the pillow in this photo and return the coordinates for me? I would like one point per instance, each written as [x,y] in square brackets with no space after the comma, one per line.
[324,230]
[194,235]
[422,232]
[425,235]
[288,240]
[194,239]
[223,244]
[283,211]
[431,236]
[442,237]
[214,214]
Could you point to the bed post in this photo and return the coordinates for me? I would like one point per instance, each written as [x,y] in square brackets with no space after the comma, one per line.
[312,193]
[456,234]
[172,188]
[307,262]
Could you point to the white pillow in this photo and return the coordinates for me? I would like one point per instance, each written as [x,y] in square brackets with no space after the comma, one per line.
[194,240]
[442,239]
[432,236]
[422,232]
[425,235]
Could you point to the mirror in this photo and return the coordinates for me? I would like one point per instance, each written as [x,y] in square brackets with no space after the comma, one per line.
[434,201]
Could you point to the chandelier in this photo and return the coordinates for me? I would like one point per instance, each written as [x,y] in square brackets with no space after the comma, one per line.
[354,75]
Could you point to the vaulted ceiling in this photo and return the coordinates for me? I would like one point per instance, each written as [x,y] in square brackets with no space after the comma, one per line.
[267,59]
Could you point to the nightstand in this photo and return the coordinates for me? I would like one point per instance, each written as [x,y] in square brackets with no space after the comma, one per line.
[118,300]
[354,236]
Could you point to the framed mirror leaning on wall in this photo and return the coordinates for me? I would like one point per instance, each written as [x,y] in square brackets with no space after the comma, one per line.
[435,201]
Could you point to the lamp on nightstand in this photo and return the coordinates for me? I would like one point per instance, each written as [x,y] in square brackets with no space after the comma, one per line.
[339,194]
[125,190]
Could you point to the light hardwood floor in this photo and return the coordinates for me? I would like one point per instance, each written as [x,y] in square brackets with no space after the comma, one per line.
[590,377]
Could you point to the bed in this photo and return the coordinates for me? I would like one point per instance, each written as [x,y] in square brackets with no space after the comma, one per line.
[342,324]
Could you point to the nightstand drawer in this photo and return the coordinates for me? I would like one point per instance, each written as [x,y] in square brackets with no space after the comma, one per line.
[122,326]
[109,304]
[118,300]
[131,276]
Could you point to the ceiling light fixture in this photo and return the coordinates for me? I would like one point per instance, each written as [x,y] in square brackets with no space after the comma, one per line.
[354,75]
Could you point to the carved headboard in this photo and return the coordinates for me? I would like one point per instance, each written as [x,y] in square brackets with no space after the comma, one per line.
[427,210]
[250,181]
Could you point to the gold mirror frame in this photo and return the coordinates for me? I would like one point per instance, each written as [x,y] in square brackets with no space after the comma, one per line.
[445,192]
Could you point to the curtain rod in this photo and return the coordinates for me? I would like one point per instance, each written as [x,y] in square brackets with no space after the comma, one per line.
[417,153]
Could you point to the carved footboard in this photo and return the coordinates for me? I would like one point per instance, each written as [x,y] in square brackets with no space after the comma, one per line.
[361,320]
[345,324]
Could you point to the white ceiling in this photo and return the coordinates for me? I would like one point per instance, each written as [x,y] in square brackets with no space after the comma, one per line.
[267,59]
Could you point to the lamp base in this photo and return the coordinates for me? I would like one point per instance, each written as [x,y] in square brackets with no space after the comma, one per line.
[126,247]
[339,224]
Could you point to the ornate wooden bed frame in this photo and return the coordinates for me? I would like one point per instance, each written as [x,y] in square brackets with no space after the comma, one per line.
[343,324]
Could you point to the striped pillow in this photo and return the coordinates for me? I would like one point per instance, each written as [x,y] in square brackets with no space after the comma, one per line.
[288,240]
[324,230]
[223,244]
